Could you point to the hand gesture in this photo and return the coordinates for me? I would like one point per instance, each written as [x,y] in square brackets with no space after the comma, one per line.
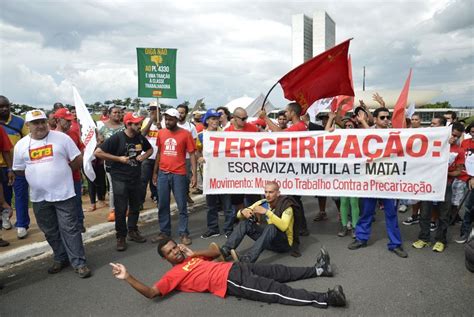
[376,97]
[361,116]
[187,251]
[260,210]
[247,213]
[262,114]
[119,271]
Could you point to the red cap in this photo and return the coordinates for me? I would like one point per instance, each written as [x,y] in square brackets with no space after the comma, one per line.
[63,113]
[131,117]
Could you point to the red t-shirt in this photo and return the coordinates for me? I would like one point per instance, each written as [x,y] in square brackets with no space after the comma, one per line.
[76,175]
[173,147]
[247,128]
[5,143]
[459,160]
[196,275]
[199,127]
[104,118]
[75,127]
[467,144]
[300,126]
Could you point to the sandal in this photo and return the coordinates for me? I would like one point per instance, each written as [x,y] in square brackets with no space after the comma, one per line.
[321,216]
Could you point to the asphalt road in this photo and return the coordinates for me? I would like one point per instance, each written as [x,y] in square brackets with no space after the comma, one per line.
[376,281]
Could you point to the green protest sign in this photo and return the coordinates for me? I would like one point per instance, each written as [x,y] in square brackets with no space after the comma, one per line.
[156,72]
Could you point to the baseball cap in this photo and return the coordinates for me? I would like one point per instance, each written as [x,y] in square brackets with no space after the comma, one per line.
[209,114]
[35,114]
[63,113]
[153,105]
[172,113]
[131,117]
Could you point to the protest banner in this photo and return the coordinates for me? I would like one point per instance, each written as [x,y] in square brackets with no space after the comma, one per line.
[88,134]
[156,72]
[377,163]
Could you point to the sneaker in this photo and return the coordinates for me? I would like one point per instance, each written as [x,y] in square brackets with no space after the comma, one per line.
[6,224]
[83,271]
[134,235]
[403,208]
[420,244]
[343,232]
[400,252]
[21,232]
[209,234]
[57,267]
[336,296]
[349,225]
[411,221]
[356,244]
[186,240]
[225,251]
[439,247]
[323,263]
[321,216]
[111,216]
[121,244]
[159,237]
[433,226]
[4,243]
[214,247]
[462,239]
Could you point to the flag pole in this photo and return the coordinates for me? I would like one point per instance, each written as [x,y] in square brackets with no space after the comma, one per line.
[264,100]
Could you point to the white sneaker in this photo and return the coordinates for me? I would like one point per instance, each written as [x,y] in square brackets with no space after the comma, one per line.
[6,224]
[21,232]
[402,208]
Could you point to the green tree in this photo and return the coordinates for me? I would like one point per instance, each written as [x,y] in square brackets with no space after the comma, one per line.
[437,105]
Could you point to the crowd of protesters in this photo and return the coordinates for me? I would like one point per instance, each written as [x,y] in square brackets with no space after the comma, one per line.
[161,153]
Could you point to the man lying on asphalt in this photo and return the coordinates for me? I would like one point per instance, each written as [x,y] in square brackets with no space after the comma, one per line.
[194,271]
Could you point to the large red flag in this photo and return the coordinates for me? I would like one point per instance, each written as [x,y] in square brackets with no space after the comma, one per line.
[323,76]
[398,116]
[346,101]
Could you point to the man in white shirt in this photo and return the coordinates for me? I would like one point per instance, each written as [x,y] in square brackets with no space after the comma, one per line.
[52,154]
[182,123]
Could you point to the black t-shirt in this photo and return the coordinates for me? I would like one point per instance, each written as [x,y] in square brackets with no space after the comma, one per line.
[314,127]
[120,144]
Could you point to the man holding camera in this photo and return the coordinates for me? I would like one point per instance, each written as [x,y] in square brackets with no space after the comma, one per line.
[272,222]
[123,151]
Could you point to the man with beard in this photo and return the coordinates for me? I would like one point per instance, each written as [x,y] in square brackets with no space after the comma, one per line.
[16,129]
[55,155]
[123,151]
[194,271]
[169,174]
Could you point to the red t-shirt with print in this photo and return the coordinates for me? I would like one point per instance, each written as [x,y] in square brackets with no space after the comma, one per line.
[300,126]
[247,128]
[459,160]
[172,146]
[196,275]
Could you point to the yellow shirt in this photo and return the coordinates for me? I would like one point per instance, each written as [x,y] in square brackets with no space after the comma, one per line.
[17,123]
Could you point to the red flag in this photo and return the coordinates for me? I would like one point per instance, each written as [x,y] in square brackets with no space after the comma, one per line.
[347,101]
[323,76]
[398,116]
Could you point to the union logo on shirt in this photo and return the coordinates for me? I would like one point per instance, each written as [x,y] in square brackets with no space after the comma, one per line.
[170,147]
[152,133]
[192,264]
[42,152]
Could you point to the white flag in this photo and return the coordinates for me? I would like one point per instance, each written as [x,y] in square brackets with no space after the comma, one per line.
[317,107]
[88,135]
[410,111]
[256,105]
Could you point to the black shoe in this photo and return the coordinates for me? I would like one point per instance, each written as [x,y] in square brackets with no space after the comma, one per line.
[400,252]
[225,251]
[209,234]
[134,235]
[3,243]
[57,267]
[336,296]
[323,263]
[121,244]
[356,244]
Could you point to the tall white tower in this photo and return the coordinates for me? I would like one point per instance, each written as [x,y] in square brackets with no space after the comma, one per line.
[324,32]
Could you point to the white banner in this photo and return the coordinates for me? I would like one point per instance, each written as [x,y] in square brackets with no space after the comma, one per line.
[379,163]
[88,135]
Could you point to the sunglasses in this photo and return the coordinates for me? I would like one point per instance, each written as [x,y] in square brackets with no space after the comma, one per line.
[384,117]
[243,119]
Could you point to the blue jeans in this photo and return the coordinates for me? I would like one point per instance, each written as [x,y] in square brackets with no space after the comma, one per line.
[364,225]
[58,221]
[146,177]
[267,237]
[20,186]
[213,212]
[78,201]
[168,182]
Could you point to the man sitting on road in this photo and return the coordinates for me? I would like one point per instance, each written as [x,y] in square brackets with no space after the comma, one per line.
[272,222]
[196,272]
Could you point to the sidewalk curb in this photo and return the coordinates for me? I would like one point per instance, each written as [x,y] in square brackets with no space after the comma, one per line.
[38,250]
